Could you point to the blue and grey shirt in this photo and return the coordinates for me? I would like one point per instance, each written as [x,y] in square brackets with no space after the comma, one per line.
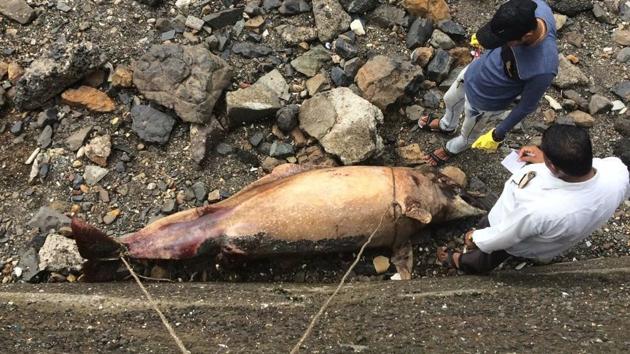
[490,87]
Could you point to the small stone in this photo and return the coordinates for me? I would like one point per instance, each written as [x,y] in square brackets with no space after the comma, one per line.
[256,138]
[17,10]
[168,35]
[294,7]
[224,18]
[269,163]
[601,15]
[356,26]
[111,216]
[419,33]
[576,97]
[93,174]
[194,22]
[582,119]
[571,7]
[47,219]
[452,29]
[169,206]
[316,84]
[45,138]
[122,77]
[251,50]
[14,71]
[413,113]
[432,99]
[214,196]
[16,128]
[621,37]
[561,20]
[569,75]
[388,16]
[255,22]
[549,116]
[599,104]
[286,118]
[622,89]
[200,191]
[411,155]
[151,125]
[440,39]
[440,66]
[224,149]
[90,98]
[345,49]
[281,150]
[99,149]
[624,55]
[617,106]
[456,175]
[58,254]
[340,77]
[555,105]
[381,264]
[422,55]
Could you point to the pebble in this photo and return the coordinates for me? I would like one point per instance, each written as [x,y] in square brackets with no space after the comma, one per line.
[111,216]
[169,206]
[224,149]
[199,190]
[256,138]
[194,22]
[214,196]
[555,105]
[357,27]
[16,128]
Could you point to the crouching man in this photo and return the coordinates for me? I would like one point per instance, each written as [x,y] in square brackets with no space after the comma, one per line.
[548,206]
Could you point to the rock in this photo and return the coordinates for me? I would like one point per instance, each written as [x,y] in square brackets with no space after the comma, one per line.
[446,84]
[281,150]
[151,125]
[549,116]
[4,69]
[194,22]
[29,263]
[316,84]
[330,19]
[383,80]
[452,29]
[271,4]
[17,10]
[251,104]
[203,137]
[582,119]
[624,11]
[601,14]
[294,7]
[187,79]
[90,98]
[576,97]
[287,118]
[571,7]
[352,66]
[456,175]
[224,149]
[183,3]
[200,191]
[622,149]
[624,55]
[356,26]
[621,37]
[340,77]
[251,50]
[411,155]
[269,163]
[440,39]
[617,106]
[168,35]
[45,138]
[622,89]
[122,77]
[227,17]
[344,123]
[574,38]
[16,128]
[419,32]
[561,20]
[345,49]
[59,254]
[48,76]
[310,62]
[99,149]
[569,75]
[111,216]
[294,35]
[381,264]
[257,138]
[413,113]
[47,219]
[76,140]
[359,6]
[388,16]
[422,55]
[152,3]
[599,104]
[440,66]
[437,10]
[276,83]
[553,103]
[622,126]
[14,71]
[432,99]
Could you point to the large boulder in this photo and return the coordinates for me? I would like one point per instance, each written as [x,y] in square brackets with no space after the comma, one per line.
[345,124]
[383,80]
[49,75]
[436,10]
[187,79]
[330,19]
[569,75]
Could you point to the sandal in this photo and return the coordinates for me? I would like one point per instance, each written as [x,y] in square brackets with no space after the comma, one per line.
[427,125]
[448,263]
[438,161]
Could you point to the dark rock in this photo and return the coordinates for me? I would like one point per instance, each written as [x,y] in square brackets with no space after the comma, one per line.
[200,191]
[47,219]
[169,206]
[352,66]
[188,79]
[264,148]
[601,15]
[153,3]
[310,62]
[203,137]
[256,139]
[440,66]
[224,149]
[76,140]
[151,125]
[622,150]
[224,18]
[419,32]
[624,55]
[624,11]
[17,10]
[388,16]
[281,150]
[622,126]
[340,77]
[251,50]
[571,7]
[622,89]
[252,8]
[453,29]
[294,7]
[217,41]
[251,104]
[29,262]
[359,6]
[599,104]
[432,98]
[286,118]
[16,128]
[45,137]
[48,76]
[247,158]
[47,117]
[330,19]
[577,98]
[269,5]
[345,49]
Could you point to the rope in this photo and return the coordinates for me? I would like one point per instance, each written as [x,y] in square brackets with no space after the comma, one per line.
[178,341]
[308,331]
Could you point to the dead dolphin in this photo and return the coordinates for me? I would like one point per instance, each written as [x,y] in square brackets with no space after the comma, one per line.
[294,210]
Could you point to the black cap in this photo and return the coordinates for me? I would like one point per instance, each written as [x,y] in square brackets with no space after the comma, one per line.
[511,22]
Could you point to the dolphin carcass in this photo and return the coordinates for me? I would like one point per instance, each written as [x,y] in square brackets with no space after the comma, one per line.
[295,210]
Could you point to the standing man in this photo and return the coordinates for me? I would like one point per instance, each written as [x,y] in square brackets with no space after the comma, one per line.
[521,59]
[546,207]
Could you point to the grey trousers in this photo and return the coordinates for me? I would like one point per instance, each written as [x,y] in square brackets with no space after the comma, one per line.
[475,120]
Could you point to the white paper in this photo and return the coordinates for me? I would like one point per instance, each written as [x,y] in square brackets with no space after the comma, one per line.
[512,163]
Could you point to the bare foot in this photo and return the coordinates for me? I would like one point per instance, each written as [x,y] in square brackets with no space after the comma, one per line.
[442,257]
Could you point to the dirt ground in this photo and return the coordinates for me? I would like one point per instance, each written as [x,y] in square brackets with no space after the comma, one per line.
[578,307]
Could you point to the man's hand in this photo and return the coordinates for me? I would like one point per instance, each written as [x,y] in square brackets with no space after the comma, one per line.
[468,240]
[531,154]
[487,142]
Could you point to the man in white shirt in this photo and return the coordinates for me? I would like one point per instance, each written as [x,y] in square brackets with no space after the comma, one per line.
[548,206]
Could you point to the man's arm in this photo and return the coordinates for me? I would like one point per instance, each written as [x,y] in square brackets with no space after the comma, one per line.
[516,228]
[532,92]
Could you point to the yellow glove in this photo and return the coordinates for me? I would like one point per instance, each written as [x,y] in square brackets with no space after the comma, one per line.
[487,142]
[474,42]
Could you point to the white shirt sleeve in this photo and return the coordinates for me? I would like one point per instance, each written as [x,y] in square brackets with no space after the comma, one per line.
[512,230]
